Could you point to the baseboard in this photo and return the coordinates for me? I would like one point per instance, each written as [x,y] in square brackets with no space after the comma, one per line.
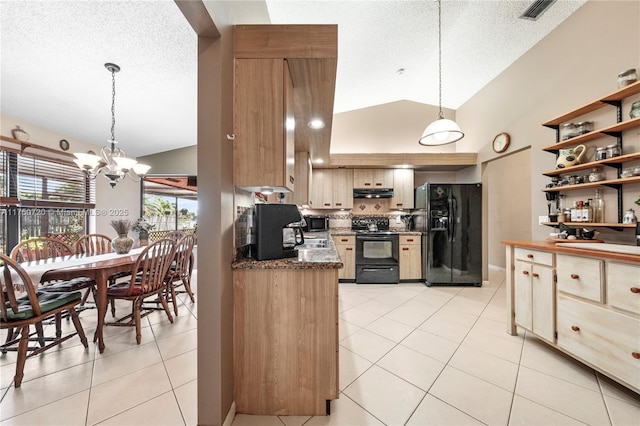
[230,415]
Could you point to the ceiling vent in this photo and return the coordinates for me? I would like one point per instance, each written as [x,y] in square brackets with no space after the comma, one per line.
[536,9]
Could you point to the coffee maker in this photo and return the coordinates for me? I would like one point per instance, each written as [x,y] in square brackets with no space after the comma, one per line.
[271,223]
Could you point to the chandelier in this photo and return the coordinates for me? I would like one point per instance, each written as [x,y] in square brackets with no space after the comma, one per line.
[442,131]
[111,162]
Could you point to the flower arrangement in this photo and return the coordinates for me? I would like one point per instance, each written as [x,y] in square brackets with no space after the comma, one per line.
[121,226]
[142,226]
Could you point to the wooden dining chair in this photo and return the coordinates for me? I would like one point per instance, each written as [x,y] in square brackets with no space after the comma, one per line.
[179,274]
[175,235]
[42,248]
[150,281]
[93,244]
[21,306]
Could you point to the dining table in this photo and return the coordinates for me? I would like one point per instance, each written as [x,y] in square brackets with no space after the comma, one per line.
[97,267]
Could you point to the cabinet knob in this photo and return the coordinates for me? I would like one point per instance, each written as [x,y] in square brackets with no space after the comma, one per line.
[575,276]
[344,240]
[575,328]
[399,204]
[338,204]
[405,248]
[635,290]
[529,256]
[409,240]
[349,248]
[636,355]
[525,272]
[327,204]
[534,275]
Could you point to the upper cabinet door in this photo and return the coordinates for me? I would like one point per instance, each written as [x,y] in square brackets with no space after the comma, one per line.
[403,189]
[263,96]
[373,178]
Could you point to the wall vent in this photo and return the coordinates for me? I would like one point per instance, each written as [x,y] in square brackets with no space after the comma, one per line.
[536,9]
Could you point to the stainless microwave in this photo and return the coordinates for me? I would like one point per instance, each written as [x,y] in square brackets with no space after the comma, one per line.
[316,223]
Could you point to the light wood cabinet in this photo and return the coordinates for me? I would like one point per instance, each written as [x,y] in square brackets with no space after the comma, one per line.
[595,307]
[534,292]
[303,169]
[346,248]
[410,257]
[332,189]
[603,338]
[285,336]
[403,188]
[580,276]
[372,178]
[263,148]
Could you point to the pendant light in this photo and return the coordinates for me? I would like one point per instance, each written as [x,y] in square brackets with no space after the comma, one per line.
[111,162]
[442,131]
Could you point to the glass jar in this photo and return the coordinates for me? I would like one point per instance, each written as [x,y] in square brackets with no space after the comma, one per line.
[596,175]
[636,171]
[635,110]
[628,172]
[569,130]
[601,153]
[584,127]
[627,77]
[613,150]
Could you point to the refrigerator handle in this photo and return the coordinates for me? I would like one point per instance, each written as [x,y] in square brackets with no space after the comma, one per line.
[453,213]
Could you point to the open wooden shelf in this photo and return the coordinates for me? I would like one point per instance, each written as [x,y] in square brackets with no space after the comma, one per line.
[613,162]
[606,131]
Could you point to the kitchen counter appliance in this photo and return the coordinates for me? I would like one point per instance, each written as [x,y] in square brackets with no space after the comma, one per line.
[450,219]
[377,251]
[316,223]
[277,229]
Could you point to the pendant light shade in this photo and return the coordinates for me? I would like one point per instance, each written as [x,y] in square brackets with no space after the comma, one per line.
[442,131]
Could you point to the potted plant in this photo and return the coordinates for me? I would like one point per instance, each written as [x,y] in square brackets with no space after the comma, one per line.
[142,227]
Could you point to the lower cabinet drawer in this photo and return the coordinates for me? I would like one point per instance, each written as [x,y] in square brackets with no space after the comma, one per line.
[534,256]
[606,339]
[623,286]
[580,276]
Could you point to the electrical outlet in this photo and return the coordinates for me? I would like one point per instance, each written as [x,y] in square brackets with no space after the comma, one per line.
[542,219]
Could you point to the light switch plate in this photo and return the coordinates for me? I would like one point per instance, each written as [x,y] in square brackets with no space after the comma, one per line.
[542,219]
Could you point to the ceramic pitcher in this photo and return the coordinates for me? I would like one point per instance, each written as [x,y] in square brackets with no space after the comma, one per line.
[570,156]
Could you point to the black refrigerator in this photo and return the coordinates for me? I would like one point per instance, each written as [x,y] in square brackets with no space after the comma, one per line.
[450,219]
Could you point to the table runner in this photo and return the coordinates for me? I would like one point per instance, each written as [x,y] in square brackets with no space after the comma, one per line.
[37,269]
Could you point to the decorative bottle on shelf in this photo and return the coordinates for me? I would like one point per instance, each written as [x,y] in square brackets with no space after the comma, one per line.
[587,211]
[598,208]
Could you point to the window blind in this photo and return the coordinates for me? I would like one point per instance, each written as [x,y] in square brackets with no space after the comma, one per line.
[52,183]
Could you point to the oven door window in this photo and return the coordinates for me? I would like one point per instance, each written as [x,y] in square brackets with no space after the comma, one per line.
[377,249]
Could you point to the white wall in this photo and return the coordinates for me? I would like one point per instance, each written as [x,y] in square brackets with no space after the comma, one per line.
[575,64]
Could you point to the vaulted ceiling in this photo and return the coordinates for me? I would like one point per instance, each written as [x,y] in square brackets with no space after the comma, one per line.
[53,55]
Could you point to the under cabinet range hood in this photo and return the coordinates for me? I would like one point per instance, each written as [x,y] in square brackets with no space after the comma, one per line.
[373,193]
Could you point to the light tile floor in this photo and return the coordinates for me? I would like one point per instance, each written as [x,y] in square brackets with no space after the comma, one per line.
[409,355]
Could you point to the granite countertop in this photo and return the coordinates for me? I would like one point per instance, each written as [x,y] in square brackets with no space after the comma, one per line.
[588,250]
[310,258]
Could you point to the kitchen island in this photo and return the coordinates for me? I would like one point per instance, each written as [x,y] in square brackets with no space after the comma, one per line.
[580,298]
[286,333]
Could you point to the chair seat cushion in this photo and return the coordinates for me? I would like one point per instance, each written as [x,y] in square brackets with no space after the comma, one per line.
[48,301]
[122,289]
[74,284]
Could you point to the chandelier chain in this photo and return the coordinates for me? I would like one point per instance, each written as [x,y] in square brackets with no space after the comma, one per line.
[113,105]
[440,114]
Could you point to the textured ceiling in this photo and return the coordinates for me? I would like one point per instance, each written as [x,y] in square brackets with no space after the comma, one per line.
[53,52]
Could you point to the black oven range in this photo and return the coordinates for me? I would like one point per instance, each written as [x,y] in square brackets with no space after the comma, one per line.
[377,251]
